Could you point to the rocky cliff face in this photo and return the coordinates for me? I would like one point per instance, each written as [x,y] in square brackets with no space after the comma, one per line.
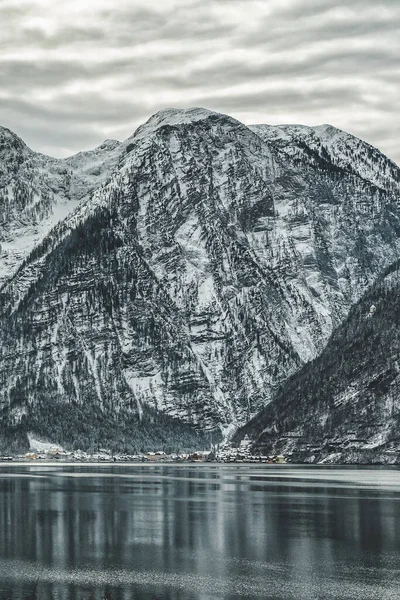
[344,405]
[210,267]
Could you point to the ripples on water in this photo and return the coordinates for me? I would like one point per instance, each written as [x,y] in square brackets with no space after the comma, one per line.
[198,532]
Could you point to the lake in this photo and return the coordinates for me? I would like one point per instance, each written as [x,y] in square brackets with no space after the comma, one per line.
[198,532]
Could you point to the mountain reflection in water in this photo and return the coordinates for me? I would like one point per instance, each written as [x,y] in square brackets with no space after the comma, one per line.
[198,532]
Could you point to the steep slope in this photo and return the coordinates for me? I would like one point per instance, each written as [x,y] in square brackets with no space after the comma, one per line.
[344,405]
[208,269]
[37,191]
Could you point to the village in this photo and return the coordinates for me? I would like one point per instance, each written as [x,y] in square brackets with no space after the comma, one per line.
[42,451]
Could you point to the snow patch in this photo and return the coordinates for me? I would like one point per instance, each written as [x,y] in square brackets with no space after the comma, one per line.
[43,446]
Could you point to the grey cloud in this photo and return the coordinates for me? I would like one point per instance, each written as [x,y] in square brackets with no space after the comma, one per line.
[73,111]
[339,63]
[65,35]
[277,32]
[21,74]
[306,9]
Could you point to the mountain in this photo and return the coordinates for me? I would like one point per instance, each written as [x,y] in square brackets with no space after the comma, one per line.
[344,405]
[183,291]
[38,191]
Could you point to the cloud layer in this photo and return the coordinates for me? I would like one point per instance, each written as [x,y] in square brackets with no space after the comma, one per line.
[74,73]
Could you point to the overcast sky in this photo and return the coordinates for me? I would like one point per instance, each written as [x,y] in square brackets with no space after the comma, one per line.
[75,72]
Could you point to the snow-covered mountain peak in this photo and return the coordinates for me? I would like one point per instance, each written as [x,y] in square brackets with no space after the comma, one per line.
[334,147]
[294,131]
[9,137]
[325,133]
[179,116]
[329,130]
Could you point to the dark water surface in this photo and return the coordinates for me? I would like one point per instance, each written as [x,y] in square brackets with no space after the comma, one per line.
[198,532]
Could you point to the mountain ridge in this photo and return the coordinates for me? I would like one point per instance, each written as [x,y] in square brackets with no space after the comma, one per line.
[332,143]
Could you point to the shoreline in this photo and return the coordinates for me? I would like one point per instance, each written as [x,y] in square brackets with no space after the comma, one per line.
[305,465]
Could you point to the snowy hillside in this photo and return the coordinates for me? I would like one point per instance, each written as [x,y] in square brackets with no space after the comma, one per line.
[38,191]
[345,405]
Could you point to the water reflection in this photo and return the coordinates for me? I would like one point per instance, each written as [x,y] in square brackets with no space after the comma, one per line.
[198,532]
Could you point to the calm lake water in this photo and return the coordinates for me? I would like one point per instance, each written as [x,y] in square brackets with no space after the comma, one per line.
[199,532]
